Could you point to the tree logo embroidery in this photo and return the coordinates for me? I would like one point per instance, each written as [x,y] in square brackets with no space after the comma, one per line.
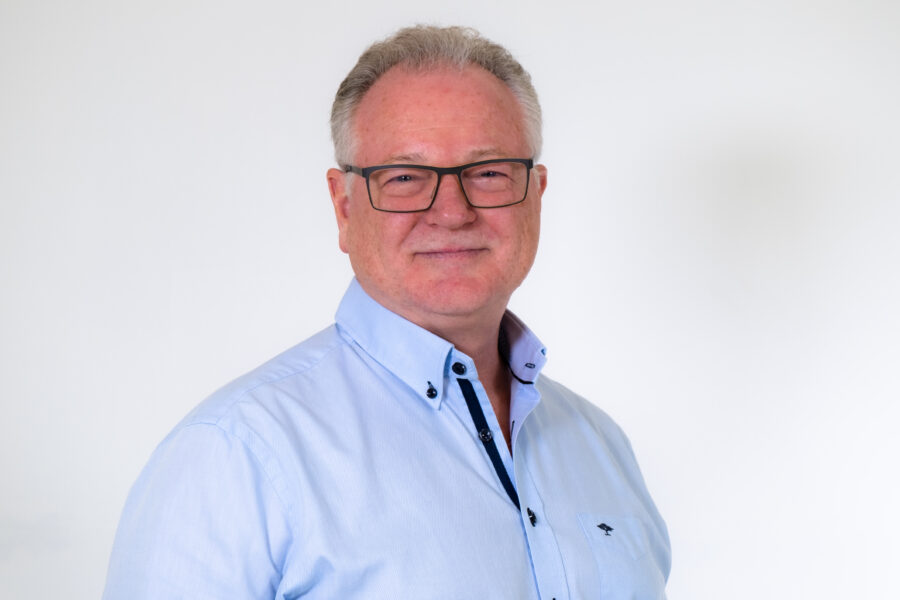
[606,528]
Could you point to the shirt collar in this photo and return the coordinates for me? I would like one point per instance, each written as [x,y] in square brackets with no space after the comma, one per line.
[525,353]
[417,356]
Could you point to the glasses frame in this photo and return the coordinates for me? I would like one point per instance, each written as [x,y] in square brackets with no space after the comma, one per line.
[365,172]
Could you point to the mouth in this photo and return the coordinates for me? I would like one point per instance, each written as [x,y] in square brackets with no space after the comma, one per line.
[451,253]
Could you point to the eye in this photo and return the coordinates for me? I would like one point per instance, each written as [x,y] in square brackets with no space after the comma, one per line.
[398,177]
[492,171]
[402,178]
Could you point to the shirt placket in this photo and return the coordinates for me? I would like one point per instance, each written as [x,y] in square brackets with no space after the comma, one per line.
[478,414]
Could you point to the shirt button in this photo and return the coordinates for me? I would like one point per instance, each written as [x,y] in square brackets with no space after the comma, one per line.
[485,435]
[431,392]
[459,368]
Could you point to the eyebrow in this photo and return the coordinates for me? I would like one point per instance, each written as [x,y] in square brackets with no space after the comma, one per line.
[483,153]
[418,158]
[403,158]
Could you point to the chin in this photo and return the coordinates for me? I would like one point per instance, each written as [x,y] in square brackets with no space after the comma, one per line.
[458,297]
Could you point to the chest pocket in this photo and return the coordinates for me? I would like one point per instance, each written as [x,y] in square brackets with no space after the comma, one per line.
[621,549]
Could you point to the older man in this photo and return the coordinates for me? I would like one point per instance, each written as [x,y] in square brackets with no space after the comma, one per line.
[412,449]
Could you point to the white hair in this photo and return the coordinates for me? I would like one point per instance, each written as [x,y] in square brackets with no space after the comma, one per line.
[427,47]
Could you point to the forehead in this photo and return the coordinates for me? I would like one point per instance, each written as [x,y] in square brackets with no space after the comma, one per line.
[444,115]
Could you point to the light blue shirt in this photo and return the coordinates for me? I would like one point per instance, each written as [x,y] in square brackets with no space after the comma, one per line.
[350,467]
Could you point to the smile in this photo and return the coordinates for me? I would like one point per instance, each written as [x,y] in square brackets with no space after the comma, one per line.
[451,253]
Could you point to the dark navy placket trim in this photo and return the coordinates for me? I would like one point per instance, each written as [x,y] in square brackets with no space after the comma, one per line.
[484,434]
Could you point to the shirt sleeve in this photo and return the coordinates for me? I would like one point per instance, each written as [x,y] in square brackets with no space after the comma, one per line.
[202,521]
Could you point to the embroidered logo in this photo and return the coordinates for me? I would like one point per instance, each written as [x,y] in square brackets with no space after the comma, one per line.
[606,528]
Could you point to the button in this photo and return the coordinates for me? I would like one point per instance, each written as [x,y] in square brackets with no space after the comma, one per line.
[529,365]
[431,392]
[485,435]
[531,516]
[459,368]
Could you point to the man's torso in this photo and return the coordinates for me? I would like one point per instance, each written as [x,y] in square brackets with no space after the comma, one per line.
[327,473]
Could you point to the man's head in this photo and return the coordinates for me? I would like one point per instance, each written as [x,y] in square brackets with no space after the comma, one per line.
[425,98]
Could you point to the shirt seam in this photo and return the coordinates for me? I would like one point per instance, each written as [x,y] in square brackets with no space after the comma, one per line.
[240,396]
[286,508]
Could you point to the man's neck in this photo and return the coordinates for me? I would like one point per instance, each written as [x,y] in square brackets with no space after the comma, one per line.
[482,346]
[476,334]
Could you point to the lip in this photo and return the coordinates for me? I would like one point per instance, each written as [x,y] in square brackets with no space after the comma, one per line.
[450,253]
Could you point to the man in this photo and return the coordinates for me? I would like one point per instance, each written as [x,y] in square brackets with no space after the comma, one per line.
[412,449]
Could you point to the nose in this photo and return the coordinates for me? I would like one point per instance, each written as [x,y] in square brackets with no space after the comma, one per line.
[450,207]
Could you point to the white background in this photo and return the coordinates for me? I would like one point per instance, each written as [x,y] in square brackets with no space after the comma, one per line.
[718,269]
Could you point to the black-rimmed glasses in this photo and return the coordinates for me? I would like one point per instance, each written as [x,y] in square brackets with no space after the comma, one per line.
[412,188]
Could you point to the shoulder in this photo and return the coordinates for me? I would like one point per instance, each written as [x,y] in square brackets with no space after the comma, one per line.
[562,403]
[257,415]
[224,473]
[290,368]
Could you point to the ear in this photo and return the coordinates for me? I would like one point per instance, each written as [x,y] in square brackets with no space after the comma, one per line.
[541,172]
[337,187]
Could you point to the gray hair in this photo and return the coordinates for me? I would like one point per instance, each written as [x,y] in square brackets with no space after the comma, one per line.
[424,47]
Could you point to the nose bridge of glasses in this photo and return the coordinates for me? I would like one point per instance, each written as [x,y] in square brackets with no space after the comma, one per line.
[455,175]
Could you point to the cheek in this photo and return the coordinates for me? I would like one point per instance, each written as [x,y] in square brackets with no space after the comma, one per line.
[528,232]
[358,237]
[536,233]
[375,239]
[527,242]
